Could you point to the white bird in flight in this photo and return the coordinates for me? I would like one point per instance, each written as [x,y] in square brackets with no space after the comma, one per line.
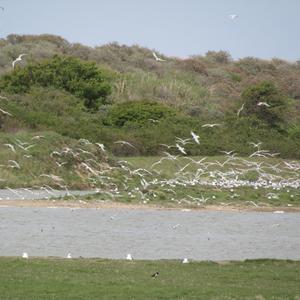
[18,59]
[157,58]
[239,111]
[124,143]
[5,112]
[181,149]
[101,146]
[195,137]
[211,125]
[11,147]
[263,104]
[233,16]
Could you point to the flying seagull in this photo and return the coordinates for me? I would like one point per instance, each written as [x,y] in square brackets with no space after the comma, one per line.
[5,112]
[210,125]
[181,149]
[239,111]
[124,143]
[157,58]
[233,16]
[18,59]
[263,104]
[195,137]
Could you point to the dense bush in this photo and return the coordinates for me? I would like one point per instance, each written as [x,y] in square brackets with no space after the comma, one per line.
[266,102]
[138,114]
[82,79]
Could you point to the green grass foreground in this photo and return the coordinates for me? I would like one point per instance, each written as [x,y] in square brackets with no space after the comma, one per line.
[54,278]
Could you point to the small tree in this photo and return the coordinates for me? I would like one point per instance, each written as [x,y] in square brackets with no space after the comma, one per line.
[266,102]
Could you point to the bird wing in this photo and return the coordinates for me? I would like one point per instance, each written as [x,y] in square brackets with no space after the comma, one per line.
[155,56]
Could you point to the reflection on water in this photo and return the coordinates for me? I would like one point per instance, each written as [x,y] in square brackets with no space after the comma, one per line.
[148,234]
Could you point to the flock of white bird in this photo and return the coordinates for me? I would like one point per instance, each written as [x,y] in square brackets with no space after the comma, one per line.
[142,183]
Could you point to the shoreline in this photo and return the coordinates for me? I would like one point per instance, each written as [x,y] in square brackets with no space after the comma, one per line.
[119,205]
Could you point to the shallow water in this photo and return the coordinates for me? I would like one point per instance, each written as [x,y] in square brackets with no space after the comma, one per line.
[31,194]
[149,234]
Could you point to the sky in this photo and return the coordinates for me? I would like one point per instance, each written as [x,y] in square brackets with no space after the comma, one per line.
[181,28]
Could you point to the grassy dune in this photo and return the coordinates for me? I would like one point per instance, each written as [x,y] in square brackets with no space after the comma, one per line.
[114,279]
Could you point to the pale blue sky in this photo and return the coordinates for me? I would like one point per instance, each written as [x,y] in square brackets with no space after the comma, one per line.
[264,28]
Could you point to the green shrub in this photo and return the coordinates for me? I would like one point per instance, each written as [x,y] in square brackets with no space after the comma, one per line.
[275,103]
[81,79]
[137,114]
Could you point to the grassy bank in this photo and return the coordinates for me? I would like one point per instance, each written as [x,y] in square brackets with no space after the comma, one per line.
[113,279]
[45,160]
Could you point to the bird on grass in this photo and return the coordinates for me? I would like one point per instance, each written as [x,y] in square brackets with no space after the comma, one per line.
[155,274]
[129,257]
[19,58]
[25,255]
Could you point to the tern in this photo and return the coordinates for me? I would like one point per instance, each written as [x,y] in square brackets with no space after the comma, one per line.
[129,257]
[101,146]
[5,112]
[239,111]
[124,143]
[233,16]
[18,59]
[11,147]
[25,255]
[69,255]
[185,261]
[195,137]
[157,58]
[263,104]
[211,125]
[181,149]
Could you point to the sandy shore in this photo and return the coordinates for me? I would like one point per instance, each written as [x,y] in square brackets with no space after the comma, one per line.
[119,205]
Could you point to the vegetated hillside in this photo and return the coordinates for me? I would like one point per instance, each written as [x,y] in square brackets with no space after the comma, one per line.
[147,102]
